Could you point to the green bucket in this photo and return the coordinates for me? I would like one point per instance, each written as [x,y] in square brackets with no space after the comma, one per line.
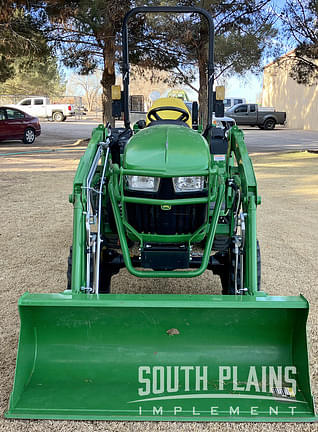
[162,357]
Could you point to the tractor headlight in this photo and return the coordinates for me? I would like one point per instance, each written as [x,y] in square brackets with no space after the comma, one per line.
[189,184]
[142,183]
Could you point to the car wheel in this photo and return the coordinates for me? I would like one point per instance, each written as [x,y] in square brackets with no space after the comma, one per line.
[269,124]
[58,116]
[29,136]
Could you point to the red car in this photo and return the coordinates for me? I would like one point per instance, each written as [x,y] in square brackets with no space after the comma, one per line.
[18,125]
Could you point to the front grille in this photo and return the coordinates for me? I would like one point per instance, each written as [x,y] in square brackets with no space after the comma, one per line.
[152,219]
[180,219]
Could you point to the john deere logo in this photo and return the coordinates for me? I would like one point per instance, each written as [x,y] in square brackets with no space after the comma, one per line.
[166,207]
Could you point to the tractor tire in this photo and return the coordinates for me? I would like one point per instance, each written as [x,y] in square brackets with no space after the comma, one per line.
[269,124]
[228,275]
[29,136]
[107,269]
[58,116]
[104,276]
[69,270]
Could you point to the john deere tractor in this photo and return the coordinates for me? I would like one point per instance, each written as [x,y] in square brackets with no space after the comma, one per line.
[163,199]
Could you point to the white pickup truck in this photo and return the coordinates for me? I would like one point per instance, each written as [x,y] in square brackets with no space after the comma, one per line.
[39,106]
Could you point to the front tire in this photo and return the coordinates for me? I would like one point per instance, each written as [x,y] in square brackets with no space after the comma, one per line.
[105,274]
[69,270]
[29,136]
[228,274]
[58,116]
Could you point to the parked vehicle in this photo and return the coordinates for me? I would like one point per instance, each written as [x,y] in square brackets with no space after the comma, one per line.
[18,125]
[41,107]
[222,122]
[253,115]
[229,102]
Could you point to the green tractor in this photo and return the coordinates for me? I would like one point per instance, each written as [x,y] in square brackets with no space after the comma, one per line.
[163,200]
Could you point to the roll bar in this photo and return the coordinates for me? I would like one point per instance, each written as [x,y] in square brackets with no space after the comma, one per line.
[166,9]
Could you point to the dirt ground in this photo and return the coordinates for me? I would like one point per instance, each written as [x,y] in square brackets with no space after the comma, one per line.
[36,232]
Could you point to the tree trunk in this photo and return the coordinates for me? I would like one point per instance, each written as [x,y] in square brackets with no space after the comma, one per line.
[203,62]
[203,76]
[108,79]
[203,94]
[90,101]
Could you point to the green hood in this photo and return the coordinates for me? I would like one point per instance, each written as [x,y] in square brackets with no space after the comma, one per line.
[167,149]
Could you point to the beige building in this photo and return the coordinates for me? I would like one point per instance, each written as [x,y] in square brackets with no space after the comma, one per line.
[146,81]
[282,92]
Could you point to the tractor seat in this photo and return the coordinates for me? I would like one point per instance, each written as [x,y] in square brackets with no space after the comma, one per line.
[168,115]
[217,140]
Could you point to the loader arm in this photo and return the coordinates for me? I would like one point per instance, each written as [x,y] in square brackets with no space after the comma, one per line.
[244,172]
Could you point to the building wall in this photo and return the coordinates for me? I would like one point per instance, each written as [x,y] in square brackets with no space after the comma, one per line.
[285,94]
[145,81]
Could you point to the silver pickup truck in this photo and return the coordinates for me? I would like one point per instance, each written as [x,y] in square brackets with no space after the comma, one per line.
[253,115]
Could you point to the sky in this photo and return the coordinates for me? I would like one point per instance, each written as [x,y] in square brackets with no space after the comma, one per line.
[248,87]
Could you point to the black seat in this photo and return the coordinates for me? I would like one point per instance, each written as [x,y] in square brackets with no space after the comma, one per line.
[217,140]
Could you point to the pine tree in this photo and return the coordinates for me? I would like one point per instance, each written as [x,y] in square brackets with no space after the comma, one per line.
[300,22]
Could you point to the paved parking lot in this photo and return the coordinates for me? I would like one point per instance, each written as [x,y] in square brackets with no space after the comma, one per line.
[66,133]
[280,140]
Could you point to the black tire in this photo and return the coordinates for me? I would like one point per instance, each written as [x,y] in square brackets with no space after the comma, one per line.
[107,269]
[227,276]
[58,116]
[29,136]
[104,275]
[69,270]
[64,118]
[269,124]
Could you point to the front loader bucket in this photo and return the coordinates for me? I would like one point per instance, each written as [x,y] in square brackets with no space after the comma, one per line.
[162,357]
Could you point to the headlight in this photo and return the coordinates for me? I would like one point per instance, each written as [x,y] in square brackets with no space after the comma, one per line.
[142,183]
[218,123]
[189,184]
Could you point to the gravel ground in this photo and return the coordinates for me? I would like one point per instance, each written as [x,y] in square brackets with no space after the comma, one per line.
[36,233]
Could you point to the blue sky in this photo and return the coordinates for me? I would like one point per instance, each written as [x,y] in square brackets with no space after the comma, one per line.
[249,86]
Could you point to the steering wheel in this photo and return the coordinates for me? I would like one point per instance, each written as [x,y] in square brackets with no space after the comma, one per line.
[153,113]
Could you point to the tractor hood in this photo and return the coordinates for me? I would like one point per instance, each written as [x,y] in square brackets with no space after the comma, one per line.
[167,150]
